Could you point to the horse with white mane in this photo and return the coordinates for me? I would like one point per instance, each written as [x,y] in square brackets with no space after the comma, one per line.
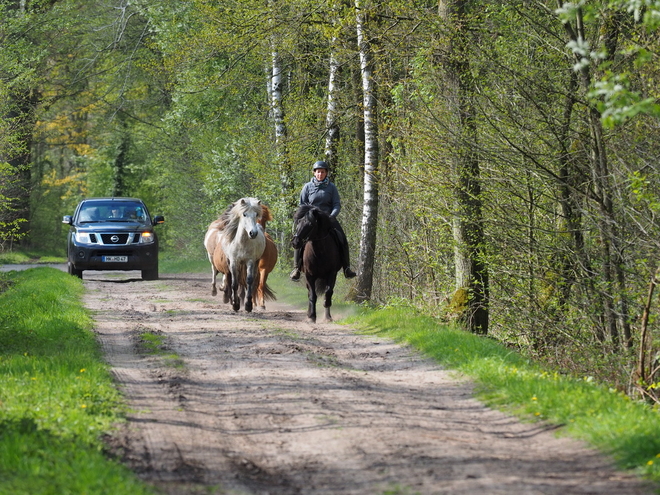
[235,243]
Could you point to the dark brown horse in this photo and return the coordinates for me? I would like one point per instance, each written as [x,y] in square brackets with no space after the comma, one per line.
[321,256]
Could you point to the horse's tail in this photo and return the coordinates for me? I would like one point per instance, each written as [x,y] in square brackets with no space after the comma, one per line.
[267,293]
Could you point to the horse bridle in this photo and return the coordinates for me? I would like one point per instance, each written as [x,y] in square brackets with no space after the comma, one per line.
[308,238]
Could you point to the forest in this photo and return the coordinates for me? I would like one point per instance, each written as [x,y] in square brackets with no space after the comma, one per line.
[495,159]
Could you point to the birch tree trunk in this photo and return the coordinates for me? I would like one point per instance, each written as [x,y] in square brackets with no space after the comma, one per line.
[472,290]
[277,113]
[331,123]
[364,283]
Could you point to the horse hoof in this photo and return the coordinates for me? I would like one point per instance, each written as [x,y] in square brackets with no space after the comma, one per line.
[214,292]
[236,307]
[248,307]
[311,320]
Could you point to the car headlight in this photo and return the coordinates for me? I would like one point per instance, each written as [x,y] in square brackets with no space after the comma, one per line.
[147,238]
[83,238]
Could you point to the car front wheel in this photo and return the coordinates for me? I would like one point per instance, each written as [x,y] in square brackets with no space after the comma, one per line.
[151,274]
[74,271]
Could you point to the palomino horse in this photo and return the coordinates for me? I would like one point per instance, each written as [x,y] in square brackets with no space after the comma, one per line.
[266,263]
[237,241]
[321,256]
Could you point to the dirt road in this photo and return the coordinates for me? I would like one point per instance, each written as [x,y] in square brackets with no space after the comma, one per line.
[265,403]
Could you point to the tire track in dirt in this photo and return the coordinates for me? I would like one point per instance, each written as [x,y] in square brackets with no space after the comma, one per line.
[269,404]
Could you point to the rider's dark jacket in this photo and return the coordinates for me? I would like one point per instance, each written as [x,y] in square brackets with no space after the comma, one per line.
[323,195]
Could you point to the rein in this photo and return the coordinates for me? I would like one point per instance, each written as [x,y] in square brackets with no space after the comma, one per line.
[308,239]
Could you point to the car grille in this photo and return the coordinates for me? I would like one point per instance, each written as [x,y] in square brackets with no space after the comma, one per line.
[115,238]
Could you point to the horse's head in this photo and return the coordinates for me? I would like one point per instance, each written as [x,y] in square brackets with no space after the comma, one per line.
[307,225]
[251,212]
[266,215]
[243,216]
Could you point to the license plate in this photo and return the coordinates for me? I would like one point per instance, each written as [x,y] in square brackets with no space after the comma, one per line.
[115,259]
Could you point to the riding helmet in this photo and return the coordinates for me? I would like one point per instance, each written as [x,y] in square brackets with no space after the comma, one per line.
[320,164]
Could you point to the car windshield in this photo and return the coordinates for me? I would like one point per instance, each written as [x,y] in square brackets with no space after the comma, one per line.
[94,212]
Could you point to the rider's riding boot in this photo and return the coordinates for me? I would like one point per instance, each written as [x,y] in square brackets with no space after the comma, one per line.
[297,259]
[348,273]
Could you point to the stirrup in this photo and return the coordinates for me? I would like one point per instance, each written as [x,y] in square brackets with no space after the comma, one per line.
[348,273]
[295,275]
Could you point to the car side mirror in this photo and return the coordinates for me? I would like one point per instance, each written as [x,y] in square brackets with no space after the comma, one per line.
[158,219]
[66,219]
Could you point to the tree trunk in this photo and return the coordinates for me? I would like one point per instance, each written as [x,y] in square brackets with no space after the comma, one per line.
[471,270]
[613,270]
[576,260]
[277,114]
[331,123]
[364,283]
[121,161]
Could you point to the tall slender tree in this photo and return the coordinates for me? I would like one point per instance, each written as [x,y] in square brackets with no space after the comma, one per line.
[364,283]
[469,257]
[612,264]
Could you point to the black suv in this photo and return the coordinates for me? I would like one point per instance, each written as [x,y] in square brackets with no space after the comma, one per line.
[112,234]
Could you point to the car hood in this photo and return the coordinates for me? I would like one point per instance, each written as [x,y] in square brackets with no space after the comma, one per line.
[113,226]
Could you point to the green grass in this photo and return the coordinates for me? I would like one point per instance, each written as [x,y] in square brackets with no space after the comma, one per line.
[171,265]
[57,397]
[608,420]
[31,256]
[156,345]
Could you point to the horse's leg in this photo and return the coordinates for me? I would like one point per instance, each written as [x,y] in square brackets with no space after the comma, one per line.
[249,281]
[214,274]
[311,295]
[330,289]
[236,300]
[226,289]
[261,296]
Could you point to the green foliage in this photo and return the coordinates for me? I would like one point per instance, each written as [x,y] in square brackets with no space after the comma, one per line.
[57,395]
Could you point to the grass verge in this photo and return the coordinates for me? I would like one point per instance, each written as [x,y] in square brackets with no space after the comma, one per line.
[30,256]
[627,430]
[57,397]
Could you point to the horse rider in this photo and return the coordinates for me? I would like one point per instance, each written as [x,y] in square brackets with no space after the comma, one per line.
[323,194]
